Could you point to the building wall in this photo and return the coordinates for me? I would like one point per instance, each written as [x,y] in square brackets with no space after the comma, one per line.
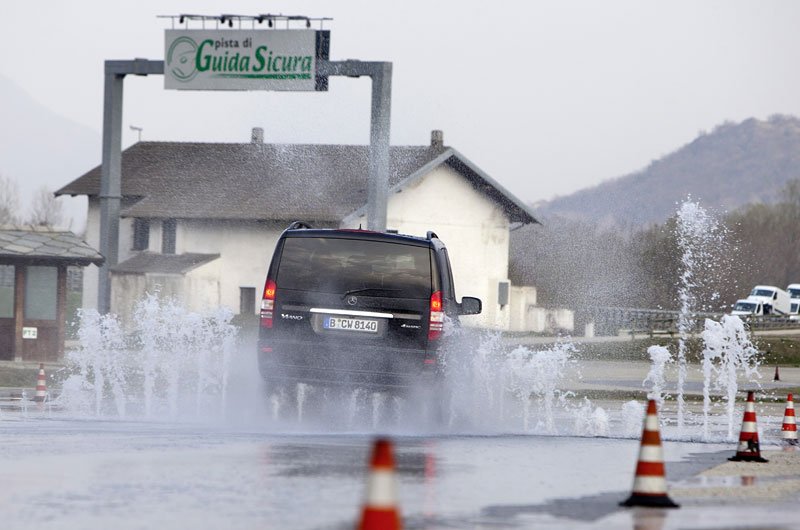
[474,229]
[520,299]
[198,290]
[128,289]
[245,249]
[90,273]
[549,321]
[124,251]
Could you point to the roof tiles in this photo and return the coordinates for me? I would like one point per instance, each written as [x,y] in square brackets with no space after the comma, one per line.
[42,243]
[274,182]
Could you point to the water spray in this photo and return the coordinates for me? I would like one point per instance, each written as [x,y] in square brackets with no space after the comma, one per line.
[697,234]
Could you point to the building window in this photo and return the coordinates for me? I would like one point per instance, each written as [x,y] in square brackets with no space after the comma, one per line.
[141,234]
[247,300]
[41,293]
[7,291]
[168,230]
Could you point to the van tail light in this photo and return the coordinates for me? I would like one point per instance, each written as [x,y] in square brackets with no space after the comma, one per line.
[437,316]
[268,303]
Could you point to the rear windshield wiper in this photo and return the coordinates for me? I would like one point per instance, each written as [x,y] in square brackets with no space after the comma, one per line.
[364,289]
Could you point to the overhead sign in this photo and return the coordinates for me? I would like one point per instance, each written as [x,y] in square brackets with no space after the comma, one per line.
[245,59]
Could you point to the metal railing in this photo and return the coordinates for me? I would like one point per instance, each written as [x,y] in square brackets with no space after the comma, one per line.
[658,321]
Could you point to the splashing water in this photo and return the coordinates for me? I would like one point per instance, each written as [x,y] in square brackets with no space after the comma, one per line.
[475,376]
[698,234]
[590,420]
[728,352]
[537,375]
[632,417]
[173,362]
[660,356]
[522,389]
[491,388]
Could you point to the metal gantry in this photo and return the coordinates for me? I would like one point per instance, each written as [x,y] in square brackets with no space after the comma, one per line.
[111,171]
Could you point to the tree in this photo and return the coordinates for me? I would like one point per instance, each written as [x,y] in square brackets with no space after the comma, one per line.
[657,255]
[576,265]
[9,201]
[46,210]
[769,240]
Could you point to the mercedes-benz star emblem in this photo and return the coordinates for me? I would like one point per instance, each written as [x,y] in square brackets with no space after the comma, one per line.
[352,300]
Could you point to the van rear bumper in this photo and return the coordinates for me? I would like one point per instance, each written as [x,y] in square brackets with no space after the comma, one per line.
[347,365]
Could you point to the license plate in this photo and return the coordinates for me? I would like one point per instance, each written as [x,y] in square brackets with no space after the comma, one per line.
[350,324]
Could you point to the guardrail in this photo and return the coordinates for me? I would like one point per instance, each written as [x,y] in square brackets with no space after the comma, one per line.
[661,321]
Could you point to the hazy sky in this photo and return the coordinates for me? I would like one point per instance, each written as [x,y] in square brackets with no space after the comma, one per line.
[547,96]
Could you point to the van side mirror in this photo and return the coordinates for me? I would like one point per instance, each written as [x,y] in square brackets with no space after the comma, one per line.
[470,306]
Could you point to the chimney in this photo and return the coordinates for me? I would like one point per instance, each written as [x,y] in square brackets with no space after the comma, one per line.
[257,137]
[437,138]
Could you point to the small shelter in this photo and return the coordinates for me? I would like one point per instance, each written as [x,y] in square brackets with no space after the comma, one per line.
[33,289]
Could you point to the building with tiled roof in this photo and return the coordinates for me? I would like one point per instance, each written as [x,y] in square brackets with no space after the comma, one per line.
[225,204]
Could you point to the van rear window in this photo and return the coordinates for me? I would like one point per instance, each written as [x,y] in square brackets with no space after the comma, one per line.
[369,268]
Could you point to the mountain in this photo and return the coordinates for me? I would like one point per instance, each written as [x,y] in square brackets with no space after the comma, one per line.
[735,165]
[39,148]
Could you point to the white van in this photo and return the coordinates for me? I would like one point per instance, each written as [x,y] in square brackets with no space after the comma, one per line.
[747,307]
[794,300]
[774,299]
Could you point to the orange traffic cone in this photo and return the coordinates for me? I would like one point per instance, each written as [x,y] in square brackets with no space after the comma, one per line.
[41,386]
[380,509]
[748,450]
[650,484]
[777,375]
[789,427]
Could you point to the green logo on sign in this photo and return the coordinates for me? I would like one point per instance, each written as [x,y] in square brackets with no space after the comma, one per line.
[181,59]
[231,58]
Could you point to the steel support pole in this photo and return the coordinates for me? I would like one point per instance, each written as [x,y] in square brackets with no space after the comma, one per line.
[378,185]
[110,185]
[111,169]
[380,126]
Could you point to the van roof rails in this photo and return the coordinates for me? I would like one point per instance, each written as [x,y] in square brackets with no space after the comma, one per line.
[431,234]
[296,225]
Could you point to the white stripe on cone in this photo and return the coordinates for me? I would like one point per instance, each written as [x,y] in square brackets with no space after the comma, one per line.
[381,489]
[651,453]
[789,427]
[748,426]
[41,385]
[743,447]
[649,484]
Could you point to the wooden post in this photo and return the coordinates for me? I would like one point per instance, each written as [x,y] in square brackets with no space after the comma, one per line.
[61,311]
[19,309]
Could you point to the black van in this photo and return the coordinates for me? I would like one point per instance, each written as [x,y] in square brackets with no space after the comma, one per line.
[356,307]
